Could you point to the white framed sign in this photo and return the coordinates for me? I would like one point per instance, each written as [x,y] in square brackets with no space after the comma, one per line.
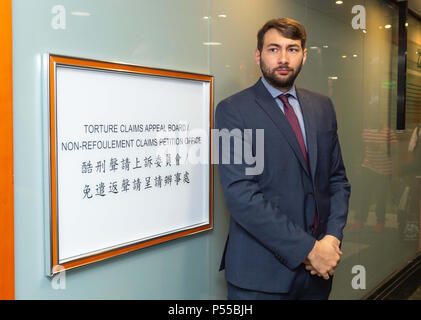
[130,151]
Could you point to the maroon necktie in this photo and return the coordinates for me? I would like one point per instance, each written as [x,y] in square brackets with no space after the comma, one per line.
[295,125]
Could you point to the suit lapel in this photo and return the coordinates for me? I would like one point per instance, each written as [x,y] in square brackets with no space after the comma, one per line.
[311,133]
[268,104]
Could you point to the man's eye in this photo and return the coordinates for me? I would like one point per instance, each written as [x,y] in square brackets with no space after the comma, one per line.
[273,49]
[293,50]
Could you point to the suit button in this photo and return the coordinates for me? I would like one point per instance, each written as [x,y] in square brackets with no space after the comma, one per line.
[310,193]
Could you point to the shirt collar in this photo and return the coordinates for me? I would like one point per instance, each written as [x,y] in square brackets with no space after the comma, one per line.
[276,92]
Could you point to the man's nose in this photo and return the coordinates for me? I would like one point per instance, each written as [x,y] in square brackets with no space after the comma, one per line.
[283,57]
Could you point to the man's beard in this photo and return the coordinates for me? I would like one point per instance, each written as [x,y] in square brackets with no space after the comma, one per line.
[275,80]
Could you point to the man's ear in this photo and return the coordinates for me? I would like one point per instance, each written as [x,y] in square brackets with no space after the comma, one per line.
[304,55]
[257,56]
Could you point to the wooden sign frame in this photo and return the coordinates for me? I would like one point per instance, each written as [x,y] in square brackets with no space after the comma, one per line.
[51,63]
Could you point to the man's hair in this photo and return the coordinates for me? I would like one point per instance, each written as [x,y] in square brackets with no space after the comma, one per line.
[289,28]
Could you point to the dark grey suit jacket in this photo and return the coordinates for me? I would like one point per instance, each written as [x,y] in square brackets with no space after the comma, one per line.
[272,213]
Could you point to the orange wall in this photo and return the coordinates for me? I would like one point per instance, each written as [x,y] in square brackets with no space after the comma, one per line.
[7,283]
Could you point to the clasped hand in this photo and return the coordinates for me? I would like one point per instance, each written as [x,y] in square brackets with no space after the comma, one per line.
[324,257]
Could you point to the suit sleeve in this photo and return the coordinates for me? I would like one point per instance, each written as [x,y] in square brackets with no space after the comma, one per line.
[262,219]
[339,188]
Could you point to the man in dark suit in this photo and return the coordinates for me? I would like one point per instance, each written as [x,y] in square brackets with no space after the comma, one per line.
[286,221]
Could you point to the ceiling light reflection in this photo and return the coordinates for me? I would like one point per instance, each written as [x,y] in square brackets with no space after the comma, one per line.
[80,14]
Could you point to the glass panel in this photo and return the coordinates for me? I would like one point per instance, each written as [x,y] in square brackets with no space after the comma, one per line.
[162,34]
[410,174]
[357,69]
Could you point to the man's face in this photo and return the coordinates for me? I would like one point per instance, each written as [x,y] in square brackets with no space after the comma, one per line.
[280,60]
